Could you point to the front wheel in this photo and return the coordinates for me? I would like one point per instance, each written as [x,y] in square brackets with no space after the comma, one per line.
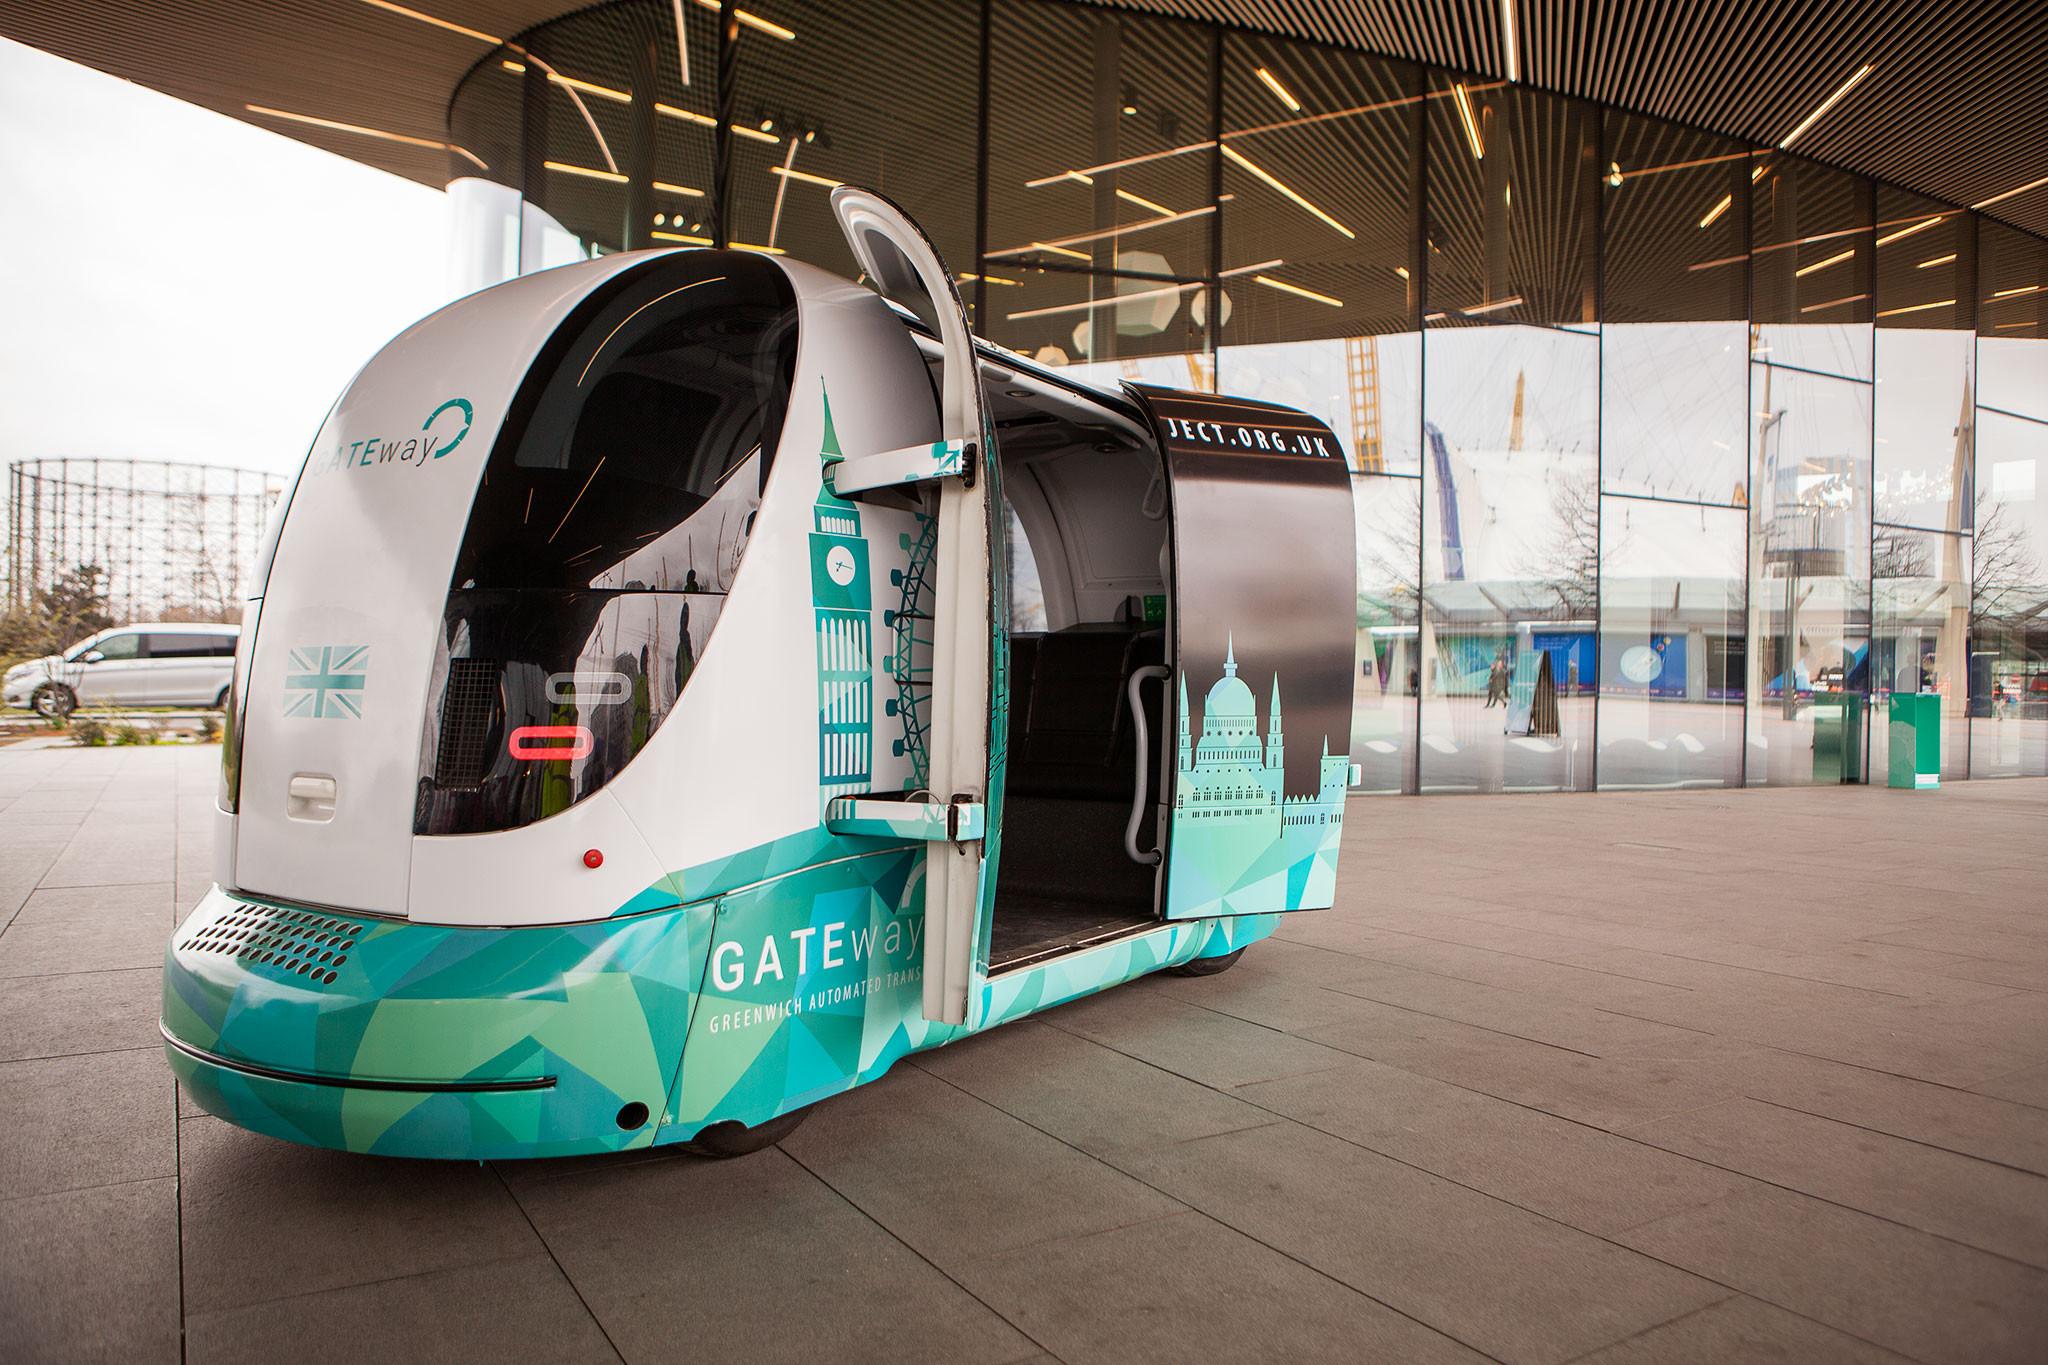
[220,703]
[54,701]
[1206,966]
[723,1141]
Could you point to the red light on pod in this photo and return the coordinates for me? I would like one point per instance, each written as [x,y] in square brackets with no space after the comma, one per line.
[535,743]
[593,858]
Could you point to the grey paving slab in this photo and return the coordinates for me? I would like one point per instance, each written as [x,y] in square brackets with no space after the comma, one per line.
[1498,1278]
[1741,1329]
[1103,1100]
[521,1310]
[1185,1288]
[1204,1045]
[91,1275]
[1974,1202]
[955,1177]
[268,1220]
[149,901]
[84,943]
[77,1012]
[71,1122]
[754,1259]
[1568,1171]
[1923,1296]
[2028,1087]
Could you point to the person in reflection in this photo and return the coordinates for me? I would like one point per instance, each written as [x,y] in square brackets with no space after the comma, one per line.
[1497,681]
[690,583]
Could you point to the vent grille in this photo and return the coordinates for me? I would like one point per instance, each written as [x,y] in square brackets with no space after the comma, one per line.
[296,942]
[467,713]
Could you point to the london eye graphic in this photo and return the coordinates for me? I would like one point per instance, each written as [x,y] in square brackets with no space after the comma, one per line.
[910,657]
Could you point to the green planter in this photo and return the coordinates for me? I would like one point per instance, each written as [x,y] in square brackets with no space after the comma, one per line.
[1915,741]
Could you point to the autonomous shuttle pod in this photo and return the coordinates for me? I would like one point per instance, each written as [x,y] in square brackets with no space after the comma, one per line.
[682,684]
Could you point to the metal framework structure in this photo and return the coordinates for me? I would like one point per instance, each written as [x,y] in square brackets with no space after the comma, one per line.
[173,538]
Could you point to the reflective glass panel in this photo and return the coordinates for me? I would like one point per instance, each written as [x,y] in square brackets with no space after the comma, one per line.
[1920,636]
[1671,644]
[1389,662]
[1100,196]
[2009,599]
[1809,565]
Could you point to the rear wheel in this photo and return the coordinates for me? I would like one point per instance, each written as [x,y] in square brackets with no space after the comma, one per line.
[54,701]
[1206,966]
[220,703]
[722,1141]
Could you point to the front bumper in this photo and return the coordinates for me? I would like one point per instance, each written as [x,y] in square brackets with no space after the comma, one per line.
[17,693]
[402,1039]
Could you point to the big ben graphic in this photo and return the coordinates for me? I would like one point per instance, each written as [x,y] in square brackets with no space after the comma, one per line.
[843,601]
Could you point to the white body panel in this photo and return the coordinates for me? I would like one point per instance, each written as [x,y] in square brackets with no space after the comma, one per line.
[363,564]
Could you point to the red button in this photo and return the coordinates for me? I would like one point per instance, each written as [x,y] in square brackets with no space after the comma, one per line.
[593,859]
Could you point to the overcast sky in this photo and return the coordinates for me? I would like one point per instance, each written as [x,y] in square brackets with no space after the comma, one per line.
[180,285]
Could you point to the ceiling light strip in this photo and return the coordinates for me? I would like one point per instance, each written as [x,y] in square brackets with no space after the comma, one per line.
[1834,303]
[753,21]
[1803,271]
[358,130]
[1716,211]
[1142,202]
[1280,92]
[1916,308]
[1059,245]
[2018,189]
[1239,157]
[477,34]
[1938,260]
[1469,120]
[1295,289]
[1905,232]
[1830,102]
[1508,40]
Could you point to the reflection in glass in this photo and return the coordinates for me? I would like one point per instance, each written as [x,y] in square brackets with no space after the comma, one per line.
[1672,402]
[1511,511]
[2009,598]
[1389,663]
[1369,389]
[1920,619]
[1671,644]
[1924,417]
[1100,213]
[1809,564]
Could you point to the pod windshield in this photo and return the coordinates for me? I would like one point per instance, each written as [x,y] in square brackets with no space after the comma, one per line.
[606,531]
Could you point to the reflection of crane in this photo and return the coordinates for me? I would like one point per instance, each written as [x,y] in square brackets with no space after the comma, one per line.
[1447,504]
[1362,377]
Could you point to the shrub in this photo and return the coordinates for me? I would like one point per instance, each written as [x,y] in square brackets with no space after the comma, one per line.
[88,731]
[130,734]
[209,728]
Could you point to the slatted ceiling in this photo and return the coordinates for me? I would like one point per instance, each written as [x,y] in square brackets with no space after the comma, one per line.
[1956,107]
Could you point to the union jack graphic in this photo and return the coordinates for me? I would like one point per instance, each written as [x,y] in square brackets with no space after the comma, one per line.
[325,682]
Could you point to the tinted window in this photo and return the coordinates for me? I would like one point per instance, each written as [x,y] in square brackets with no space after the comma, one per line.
[128,646]
[185,645]
[661,394]
[607,529]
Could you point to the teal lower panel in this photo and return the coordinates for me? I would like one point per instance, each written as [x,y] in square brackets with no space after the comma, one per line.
[489,1126]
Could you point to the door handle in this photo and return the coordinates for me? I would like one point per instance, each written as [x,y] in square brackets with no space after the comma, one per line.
[1139,677]
[310,796]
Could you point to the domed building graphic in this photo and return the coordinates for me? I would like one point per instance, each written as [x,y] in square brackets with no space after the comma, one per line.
[1241,845]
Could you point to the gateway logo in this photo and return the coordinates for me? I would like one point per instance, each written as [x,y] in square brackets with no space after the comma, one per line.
[445,428]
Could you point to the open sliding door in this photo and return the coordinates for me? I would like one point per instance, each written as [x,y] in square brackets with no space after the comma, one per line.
[1264,617]
[961,814]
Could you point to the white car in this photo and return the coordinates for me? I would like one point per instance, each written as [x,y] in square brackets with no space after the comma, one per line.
[157,665]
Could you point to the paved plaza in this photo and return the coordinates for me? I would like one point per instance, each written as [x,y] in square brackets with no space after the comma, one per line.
[1698,1076]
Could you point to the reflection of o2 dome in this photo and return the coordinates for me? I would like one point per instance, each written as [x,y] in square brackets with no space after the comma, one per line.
[1641,664]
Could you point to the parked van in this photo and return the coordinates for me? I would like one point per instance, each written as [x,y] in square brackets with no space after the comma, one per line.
[167,664]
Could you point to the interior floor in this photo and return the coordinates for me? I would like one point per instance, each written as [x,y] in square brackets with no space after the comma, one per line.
[1064,881]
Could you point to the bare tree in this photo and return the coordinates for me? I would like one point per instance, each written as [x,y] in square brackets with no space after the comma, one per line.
[1570,562]
[1898,554]
[2004,571]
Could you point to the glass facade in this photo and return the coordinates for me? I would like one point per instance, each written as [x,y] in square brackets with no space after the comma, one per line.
[1675,457]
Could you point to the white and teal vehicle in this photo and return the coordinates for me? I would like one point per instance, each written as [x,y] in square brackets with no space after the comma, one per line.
[685,683]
